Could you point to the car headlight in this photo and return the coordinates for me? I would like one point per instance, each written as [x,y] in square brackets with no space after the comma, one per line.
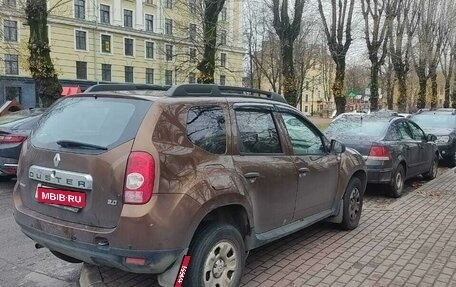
[442,139]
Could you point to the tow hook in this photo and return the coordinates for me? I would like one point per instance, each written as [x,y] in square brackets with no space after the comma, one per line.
[38,246]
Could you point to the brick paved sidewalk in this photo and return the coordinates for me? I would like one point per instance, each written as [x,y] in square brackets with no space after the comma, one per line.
[411,242]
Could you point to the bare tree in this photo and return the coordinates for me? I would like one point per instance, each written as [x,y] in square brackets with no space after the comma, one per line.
[288,30]
[306,54]
[339,39]
[432,38]
[400,34]
[447,62]
[378,16]
[389,83]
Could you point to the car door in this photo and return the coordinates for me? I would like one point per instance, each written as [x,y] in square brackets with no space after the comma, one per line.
[426,154]
[268,172]
[411,149]
[317,168]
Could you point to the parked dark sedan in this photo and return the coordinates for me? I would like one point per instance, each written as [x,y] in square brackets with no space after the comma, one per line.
[395,148]
[442,123]
[12,135]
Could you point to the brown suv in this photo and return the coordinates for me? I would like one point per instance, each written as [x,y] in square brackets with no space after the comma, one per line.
[136,177]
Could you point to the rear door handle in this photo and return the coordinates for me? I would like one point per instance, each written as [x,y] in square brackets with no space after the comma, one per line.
[303,170]
[252,175]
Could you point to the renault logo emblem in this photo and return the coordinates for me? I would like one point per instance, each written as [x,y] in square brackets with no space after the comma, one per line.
[56,160]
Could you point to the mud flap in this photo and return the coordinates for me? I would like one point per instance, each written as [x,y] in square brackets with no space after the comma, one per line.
[168,278]
[339,217]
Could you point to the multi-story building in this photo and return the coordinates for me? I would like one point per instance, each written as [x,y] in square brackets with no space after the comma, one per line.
[140,41]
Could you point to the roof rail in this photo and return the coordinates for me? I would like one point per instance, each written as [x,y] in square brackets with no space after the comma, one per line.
[210,90]
[450,110]
[125,87]
[190,90]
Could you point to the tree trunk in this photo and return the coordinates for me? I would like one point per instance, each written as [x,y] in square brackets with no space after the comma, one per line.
[402,100]
[390,87]
[374,97]
[206,66]
[289,81]
[40,62]
[338,87]
[446,103]
[434,90]
[453,94]
[421,102]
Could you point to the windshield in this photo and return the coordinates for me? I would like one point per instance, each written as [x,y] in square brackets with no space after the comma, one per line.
[435,121]
[356,127]
[104,122]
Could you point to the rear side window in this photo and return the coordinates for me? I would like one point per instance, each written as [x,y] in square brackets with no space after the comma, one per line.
[257,132]
[106,122]
[206,128]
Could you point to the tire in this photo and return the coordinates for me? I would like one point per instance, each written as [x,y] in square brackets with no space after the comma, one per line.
[207,248]
[451,160]
[397,182]
[432,173]
[65,257]
[353,204]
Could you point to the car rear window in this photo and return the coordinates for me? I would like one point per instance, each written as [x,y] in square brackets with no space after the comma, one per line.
[105,122]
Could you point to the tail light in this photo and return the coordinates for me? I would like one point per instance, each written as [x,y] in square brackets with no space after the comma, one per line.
[5,139]
[139,179]
[379,153]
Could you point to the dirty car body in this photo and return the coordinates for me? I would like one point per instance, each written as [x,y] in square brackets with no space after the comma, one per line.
[208,159]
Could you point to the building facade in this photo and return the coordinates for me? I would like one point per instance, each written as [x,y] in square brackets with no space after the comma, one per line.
[118,41]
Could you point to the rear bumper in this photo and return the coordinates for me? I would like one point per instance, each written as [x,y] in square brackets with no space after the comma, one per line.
[156,262]
[160,240]
[382,176]
[8,166]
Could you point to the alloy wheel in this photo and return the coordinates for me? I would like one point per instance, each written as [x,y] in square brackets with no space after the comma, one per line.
[355,204]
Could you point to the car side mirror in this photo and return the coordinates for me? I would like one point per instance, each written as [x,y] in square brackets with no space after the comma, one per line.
[337,147]
[431,138]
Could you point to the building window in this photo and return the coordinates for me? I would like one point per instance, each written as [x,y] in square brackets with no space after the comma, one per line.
[106,72]
[10,31]
[223,37]
[191,78]
[223,14]
[79,9]
[128,74]
[169,4]
[223,60]
[149,21]
[168,77]
[192,32]
[11,64]
[81,40]
[169,52]
[81,70]
[149,76]
[10,3]
[168,26]
[149,50]
[128,18]
[192,6]
[129,47]
[222,80]
[105,14]
[193,54]
[106,43]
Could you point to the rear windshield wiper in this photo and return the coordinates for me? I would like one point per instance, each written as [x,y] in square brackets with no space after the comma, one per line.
[76,144]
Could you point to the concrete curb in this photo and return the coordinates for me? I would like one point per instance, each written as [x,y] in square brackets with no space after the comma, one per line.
[90,276]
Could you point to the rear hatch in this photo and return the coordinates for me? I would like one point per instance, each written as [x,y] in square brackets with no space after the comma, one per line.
[80,148]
